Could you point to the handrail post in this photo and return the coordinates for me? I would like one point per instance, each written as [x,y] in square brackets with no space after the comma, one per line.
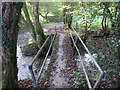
[32,75]
[96,84]
[35,81]
[91,57]
[39,74]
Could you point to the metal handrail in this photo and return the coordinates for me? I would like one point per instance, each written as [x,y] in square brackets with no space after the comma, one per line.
[88,81]
[91,57]
[33,60]
[35,82]
[39,74]
[40,49]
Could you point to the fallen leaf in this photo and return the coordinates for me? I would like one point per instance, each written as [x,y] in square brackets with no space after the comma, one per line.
[46,83]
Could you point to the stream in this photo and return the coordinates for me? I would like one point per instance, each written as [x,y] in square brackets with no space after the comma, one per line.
[23,61]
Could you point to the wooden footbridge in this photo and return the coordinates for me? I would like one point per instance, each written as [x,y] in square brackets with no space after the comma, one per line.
[90,86]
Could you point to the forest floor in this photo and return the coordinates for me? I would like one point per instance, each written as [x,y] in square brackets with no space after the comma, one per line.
[107,57]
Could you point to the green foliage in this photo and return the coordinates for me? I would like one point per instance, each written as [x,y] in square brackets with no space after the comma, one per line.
[49,66]
[87,16]
[27,79]
[30,10]
[79,79]
[22,24]
[108,59]
[45,76]
[51,23]
[29,49]
[49,8]
[76,17]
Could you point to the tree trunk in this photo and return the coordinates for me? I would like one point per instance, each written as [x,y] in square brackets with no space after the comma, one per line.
[118,18]
[67,18]
[67,14]
[104,23]
[106,5]
[29,23]
[11,15]
[45,17]
[38,28]
[64,13]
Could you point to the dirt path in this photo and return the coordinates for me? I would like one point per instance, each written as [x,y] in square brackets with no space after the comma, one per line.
[61,68]
[52,27]
[58,78]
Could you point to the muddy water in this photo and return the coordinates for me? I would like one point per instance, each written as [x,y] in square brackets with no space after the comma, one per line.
[23,61]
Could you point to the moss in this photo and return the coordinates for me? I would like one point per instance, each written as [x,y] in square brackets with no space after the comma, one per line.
[32,48]
[49,66]
[29,49]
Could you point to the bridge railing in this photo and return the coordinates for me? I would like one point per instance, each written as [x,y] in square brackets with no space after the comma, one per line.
[35,81]
[83,66]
